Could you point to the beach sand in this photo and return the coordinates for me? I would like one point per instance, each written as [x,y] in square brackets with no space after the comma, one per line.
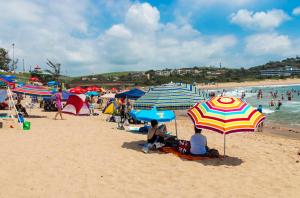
[288,81]
[89,157]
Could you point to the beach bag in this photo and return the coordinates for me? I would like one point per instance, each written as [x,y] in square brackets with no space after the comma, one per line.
[184,146]
[172,141]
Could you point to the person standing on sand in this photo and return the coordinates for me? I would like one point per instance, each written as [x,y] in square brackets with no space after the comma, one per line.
[58,98]
[261,125]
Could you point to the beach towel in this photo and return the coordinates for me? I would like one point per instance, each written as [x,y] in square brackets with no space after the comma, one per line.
[181,155]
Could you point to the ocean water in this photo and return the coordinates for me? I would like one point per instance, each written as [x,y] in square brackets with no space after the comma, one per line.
[288,114]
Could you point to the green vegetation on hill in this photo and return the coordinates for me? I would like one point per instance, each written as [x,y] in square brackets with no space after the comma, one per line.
[294,62]
[190,75]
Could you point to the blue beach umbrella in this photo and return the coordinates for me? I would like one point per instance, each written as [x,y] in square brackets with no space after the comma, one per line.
[52,83]
[133,94]
[153,114]
[92,93]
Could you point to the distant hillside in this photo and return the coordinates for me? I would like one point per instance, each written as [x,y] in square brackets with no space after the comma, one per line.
[294,62]
[187,75]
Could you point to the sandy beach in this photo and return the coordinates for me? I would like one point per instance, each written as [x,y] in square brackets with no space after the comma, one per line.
[289,81]
[89,157]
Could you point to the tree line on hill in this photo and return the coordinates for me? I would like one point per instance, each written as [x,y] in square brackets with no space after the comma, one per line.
[151,77]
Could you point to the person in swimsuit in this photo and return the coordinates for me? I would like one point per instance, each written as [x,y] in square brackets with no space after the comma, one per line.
[92,105]
[279,104]
[20,108]
[58,98]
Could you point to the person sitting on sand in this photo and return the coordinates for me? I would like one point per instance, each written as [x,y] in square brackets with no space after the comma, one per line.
[156,133]
[156,136]
[198,143]
[20,108]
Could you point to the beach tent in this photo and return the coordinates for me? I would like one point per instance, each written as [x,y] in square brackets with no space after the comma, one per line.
[77,105]
[132,94]
[33,90]
[170,96]
[110,108]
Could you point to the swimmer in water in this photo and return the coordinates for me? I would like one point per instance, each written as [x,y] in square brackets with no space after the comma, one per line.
[272,104]
[279,104]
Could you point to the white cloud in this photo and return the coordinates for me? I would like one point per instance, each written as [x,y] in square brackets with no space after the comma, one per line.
[42,30]
[259,20]
[296,11]
[271,44]
[205,3]
[142,40]
[138,40]
[142,16]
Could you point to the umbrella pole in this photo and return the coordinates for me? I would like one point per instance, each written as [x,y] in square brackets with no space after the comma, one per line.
[224,144]
[176,127]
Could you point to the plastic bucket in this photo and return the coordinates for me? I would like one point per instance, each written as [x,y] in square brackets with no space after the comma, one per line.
[26,125]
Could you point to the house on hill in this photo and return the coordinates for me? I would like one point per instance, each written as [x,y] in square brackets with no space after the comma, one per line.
[285,71]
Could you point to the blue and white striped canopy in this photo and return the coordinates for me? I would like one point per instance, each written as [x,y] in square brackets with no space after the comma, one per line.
[170,96]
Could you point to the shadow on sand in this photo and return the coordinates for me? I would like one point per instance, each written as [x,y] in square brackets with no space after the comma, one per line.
[35,116]
[227,161]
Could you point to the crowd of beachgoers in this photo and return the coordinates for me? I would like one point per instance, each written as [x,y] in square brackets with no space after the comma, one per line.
[87,155]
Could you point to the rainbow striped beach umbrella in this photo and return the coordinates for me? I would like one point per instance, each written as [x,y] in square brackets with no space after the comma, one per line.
[225,115]
[33,90]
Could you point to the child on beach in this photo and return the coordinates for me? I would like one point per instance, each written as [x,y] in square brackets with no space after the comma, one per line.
[261,125]
[92,105]
[58,98]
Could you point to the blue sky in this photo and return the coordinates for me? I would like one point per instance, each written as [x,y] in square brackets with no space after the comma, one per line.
[96,36]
